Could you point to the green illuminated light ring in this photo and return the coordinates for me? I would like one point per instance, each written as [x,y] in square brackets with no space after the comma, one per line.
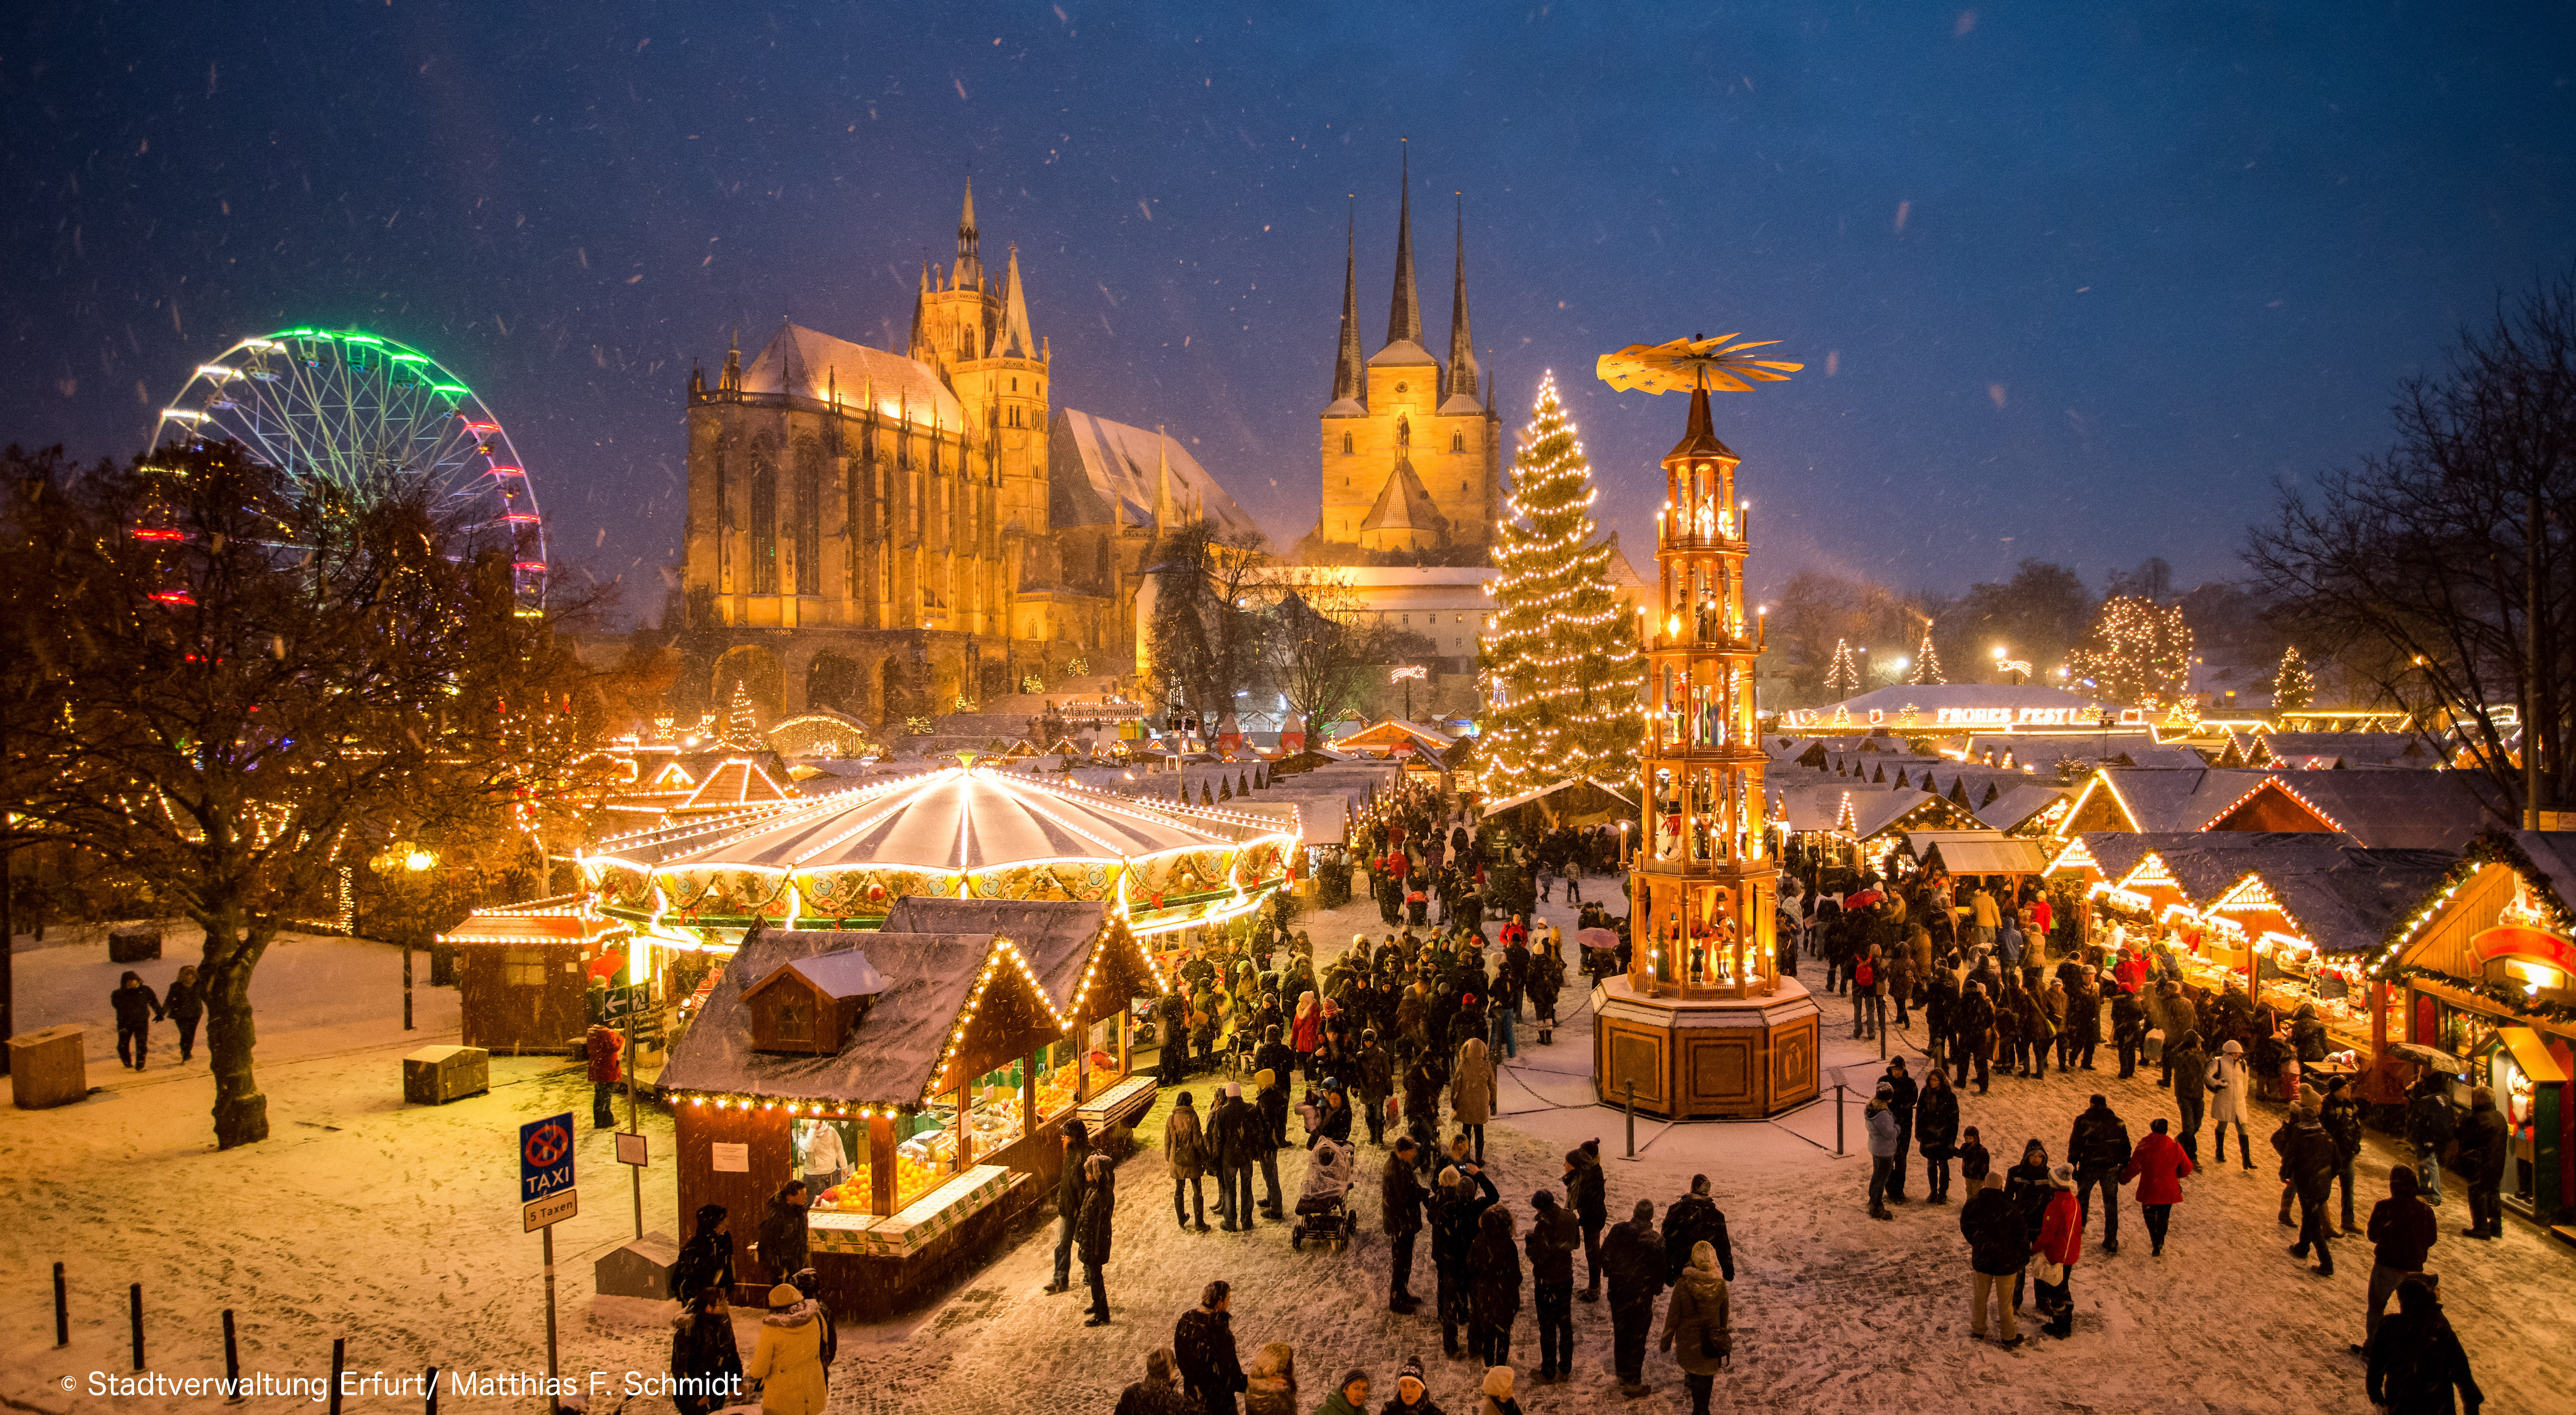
[370,416]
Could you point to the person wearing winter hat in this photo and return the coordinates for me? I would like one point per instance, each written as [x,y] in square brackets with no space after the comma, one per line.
[1412,1395]
[137,1008]
[2053,1254]
[1497,1393]
[2228,1081]
[788,1358]
[1185,1155]
[706,1260]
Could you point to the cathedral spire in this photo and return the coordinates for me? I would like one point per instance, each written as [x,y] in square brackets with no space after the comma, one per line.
[1346,362]
[970,269]
[1463,373]
[1404,317]
[1016,341]
[1162,478]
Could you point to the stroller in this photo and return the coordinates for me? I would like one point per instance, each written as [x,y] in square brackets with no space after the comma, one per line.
[1324,1210]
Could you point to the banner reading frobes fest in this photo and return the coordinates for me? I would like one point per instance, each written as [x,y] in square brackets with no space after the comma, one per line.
[967,831]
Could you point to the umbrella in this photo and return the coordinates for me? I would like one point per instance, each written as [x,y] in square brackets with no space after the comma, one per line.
[2434,1057]
[1596,938]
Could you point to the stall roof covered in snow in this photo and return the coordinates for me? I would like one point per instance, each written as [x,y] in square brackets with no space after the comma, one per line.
[2347,900]
[890,1057]
[1056,936]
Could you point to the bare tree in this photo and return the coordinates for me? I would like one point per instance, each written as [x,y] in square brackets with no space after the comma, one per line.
[1326,650]
[1207,629]
[260,686]
[2436,570]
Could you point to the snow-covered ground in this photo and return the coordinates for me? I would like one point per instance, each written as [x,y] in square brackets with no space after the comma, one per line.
[398,1230]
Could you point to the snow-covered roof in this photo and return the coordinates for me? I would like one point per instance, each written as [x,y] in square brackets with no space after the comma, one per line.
[2020,803]
[844,974]
[965,818]
[1979,852]
[1056,936]
[1103,473]
[806,363]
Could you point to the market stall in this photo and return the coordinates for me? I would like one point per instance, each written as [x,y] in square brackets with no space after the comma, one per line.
[524,971]
[2487,969]
[911,1078]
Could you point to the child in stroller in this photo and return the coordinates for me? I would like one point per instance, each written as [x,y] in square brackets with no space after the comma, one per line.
[1323,1210]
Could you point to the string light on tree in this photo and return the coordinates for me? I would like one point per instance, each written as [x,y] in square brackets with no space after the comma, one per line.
[2295,685]
[741,727]
[1560,663]
[1927,662]
[1843,675]
[2138,653]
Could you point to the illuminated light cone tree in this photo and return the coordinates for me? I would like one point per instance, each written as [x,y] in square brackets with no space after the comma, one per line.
[1843,675]
[1560,665]
[1927,662]
[741,727]
[2138,653]
[2295,685]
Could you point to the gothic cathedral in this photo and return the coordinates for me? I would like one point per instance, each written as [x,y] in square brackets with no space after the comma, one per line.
[1411,458]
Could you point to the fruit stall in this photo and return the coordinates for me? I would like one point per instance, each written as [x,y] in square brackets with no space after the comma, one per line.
[916,1078]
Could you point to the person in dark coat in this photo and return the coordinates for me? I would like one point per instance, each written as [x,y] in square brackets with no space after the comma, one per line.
[1901,1096]
[2098,1147]
[1695,1218]
[1401,1199]
[1936,1131]
[1587,1194]
[2184,1059]
[2482,1140]
[1632,1257]
[2416,1360]
[1373,1079]
[1457,1207]
[2308,1166]
[1203,1347]
[1270,1108]
[2430,1124]
[2403,1231]
[704,1356]
[2340,1113]
[1091,1231]
[1998,1247]
[185,1005]
[1972,1026]
[2128,1029]
[706,1260]
[1068,1201]
[1553,1237]
[1234,1131]
[137,1008]
[782,1231]
[1493,1287]
[1159,1393]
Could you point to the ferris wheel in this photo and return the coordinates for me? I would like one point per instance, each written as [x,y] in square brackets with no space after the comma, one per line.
[371,417]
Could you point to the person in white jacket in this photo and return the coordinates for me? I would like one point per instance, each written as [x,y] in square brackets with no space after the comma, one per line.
[2227,1080]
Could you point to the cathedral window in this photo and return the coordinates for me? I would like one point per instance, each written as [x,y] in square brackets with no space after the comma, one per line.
[764,521]
[1458,443]
[1346,451]
[809,519]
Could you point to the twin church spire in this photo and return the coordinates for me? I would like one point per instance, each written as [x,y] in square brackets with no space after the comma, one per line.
[1463,377]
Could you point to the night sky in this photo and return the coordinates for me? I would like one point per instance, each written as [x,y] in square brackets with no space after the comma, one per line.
[2075,281]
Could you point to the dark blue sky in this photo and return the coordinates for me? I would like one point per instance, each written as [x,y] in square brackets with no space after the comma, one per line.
[2090,277]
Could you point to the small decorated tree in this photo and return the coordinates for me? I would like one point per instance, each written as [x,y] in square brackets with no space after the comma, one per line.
[1927,662]
[740,729]
[2295,685]
[1843,674]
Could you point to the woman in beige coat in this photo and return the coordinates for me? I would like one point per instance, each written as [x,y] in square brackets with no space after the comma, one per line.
[1696,1330]
[788,1360]
[1471,1091]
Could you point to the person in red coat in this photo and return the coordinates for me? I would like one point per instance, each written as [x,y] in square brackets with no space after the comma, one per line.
[2159,1165]
[2060,1242]
[602,1047]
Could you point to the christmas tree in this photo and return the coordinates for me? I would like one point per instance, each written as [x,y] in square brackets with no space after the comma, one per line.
[2138,653]
[2294,687]
[740,730]
[1560,664]
[1843,676]
[1927,661]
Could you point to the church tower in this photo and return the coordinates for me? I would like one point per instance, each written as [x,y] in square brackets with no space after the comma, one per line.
[974,329]
[1411,461]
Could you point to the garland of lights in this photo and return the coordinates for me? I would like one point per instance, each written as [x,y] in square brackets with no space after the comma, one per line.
[1560,663]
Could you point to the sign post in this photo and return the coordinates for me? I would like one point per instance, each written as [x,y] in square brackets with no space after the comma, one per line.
[547,1197]
[621,1005]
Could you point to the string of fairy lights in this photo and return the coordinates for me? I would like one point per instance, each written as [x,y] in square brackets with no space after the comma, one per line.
[1560,663]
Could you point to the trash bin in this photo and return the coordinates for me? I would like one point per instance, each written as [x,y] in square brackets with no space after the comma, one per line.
[48,1068]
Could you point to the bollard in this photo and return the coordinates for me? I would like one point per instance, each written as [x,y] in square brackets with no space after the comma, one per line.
[62,1309]
[232,1361]
[339,1350]
[1632,1118]
[1880,1005]
[134,1310]
[1838,1117]
[429,1392]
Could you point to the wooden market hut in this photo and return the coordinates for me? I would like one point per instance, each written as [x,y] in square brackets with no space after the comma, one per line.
[523,971]
[927,1104]
[2487,967]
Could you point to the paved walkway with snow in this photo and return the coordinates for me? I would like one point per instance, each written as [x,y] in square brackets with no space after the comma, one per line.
[395,1227]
